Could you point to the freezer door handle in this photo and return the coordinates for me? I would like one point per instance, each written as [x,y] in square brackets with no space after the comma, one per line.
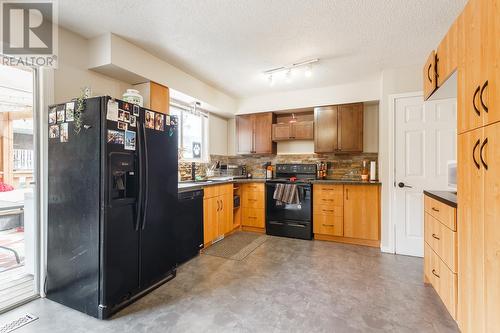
[141,183]
[145,185]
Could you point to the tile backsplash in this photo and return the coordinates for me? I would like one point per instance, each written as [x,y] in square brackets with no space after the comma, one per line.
[347,166]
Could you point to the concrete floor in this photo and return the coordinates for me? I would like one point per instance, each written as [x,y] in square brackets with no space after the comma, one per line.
[286,285]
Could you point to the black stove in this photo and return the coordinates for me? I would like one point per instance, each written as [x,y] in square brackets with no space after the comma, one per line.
[291,220]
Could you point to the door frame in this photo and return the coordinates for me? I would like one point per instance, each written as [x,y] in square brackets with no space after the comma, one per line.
[391,223]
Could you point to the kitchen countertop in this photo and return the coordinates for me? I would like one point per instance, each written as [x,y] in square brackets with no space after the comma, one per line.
[192,186]
[447,197]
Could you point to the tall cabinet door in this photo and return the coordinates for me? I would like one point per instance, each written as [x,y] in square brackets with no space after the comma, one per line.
[470,230]
[263,143]
[492,92]
[325,129]
[244,133]
[491,157]
[350,128]
[362,212]
[473,76]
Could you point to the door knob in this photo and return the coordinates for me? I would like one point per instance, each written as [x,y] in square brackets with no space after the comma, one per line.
[401,185]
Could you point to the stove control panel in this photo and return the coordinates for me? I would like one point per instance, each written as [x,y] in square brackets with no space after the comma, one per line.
[296,169]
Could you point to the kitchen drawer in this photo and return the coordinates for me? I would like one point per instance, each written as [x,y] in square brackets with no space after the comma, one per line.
[442,240]
[225,189]
[254,187]
[253,217]
[211,191]
[253,200]
[442,212]
[332,195]
[328,210]
[442,279]
[328,225]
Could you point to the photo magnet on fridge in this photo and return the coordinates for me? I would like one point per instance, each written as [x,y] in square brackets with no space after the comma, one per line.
[126,116]
[70,111]
[136,110]
[159,122]
[112,113]
[122,125]
[54,131]
[52,115]
[116,137]
[133,121]
[121,114]
[126,106]
[129,140]
[60,114]
[63,132]
[150,119]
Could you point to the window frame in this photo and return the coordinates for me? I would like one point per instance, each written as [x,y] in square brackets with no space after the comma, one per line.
[204,130]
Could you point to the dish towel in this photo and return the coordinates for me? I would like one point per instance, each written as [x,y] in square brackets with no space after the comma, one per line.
[286,193]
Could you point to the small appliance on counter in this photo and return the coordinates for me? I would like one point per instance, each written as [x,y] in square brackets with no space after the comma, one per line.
[233,170]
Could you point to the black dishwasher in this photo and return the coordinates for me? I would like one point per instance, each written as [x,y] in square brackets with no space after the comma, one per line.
[189,225]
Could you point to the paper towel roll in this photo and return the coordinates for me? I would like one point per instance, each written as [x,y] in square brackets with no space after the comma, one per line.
[373,170]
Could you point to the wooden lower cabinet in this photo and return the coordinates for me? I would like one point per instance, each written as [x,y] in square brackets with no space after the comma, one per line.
[217,212]
[253,207]
[347,213]
[362,212]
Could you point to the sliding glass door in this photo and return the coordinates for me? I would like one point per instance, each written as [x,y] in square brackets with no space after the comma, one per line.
[19,220]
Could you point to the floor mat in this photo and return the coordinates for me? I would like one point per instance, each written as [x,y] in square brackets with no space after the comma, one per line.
[236,246]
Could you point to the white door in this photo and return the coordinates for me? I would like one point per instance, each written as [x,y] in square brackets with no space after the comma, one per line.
[425,140]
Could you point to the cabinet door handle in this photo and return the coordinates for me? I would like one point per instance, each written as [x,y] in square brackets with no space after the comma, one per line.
[481,153]
[347,194]
[222,205]
[481,97]
[218,205]
[474,154]
[328,225]
[435,209]
[428,72]
[435,274]
[474,100]
[435,237]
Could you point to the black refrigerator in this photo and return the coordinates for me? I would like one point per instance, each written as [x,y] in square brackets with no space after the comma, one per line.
[112,191]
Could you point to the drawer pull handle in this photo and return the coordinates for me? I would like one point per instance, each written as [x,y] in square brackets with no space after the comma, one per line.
[327,199]
[435,236]
[328,210]
[252,217]
[328,225]
[435,209]
[252,199]
[435,274]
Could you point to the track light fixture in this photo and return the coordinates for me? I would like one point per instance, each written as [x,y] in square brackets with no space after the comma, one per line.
[271,73]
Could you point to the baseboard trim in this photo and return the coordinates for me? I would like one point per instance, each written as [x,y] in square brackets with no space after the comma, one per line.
[347,240]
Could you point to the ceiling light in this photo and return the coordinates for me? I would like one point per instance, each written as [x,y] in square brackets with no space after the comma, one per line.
[288,78]
[308,72]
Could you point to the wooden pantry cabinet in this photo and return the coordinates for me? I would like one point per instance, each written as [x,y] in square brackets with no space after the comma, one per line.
[347,213]
[338,128]
[156,96]
[254,134]
[217,212]
[253,207]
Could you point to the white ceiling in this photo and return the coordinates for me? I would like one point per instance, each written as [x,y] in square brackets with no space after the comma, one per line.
[228,43]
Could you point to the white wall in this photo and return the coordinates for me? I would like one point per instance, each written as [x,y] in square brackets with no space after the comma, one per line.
[218,132]
[394,81]
[366,90]
[72,73]
[119,58]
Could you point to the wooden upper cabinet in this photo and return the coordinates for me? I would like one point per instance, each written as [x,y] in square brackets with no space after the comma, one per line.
[338,128]
[429,75]
[300,130]
[473,77]
[282,132]
[244,134]
[155,96]
[362,212]
[254,134]
[303,130]
[350,128]
[325,129]
[491,93]
[447,55]
[263,128]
